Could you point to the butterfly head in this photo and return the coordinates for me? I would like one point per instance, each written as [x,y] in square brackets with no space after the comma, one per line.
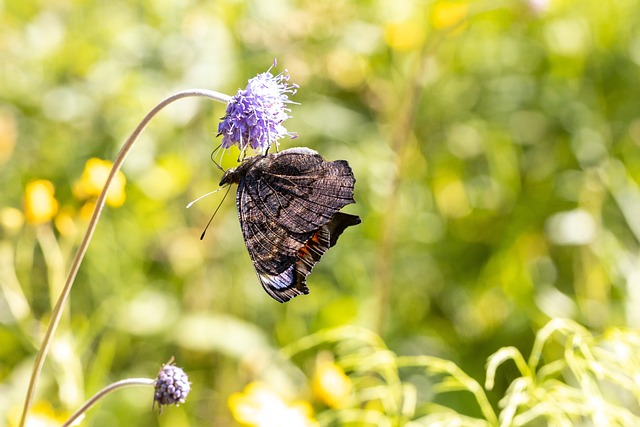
[234,175]
[230,177]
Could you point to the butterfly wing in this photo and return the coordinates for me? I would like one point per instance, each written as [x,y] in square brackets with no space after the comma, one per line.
[288,206]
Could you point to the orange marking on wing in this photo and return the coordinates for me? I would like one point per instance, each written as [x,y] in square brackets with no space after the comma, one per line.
[305,249]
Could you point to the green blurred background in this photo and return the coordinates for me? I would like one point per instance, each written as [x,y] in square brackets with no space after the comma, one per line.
[495,146]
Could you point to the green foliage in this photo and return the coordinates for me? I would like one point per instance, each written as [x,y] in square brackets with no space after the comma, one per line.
[580,380]
[495,147]
[592,382]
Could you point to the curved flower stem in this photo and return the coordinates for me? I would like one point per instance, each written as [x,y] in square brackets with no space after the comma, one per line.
[111,387]
[82,249]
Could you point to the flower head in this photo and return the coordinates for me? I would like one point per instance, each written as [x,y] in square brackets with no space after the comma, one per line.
[42,414]
[255,114]
[94,177]
[39,204]
[330,383]
[172,386]
[449,14]
[260,406]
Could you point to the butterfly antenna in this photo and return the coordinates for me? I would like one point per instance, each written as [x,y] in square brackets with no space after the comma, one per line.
[213,153]
[215,212]
[203,196]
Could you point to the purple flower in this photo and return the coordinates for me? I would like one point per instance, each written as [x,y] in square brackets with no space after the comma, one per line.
[255,114]
[172,386]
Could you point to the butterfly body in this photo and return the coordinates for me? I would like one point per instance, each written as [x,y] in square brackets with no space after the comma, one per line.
[288,205]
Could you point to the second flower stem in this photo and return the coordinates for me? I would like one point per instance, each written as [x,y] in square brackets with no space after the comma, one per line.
[84,244]
[120,384]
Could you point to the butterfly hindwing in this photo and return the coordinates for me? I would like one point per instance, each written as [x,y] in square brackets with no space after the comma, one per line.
[320,242]
[292,281]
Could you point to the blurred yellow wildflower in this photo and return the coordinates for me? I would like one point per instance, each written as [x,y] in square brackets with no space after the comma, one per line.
[39,204]
[87,210]
[446,14]
[8,135]
[260,406]
[65,223]
[93,179]
[11,219]
[404,36]
[41,414]
[330,383]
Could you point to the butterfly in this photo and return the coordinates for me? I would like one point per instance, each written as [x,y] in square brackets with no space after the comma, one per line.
[288,205]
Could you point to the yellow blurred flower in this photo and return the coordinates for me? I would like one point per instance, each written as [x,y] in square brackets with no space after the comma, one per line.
[260,406]
[93,179]
[39,204]
[8,134]
[404,36]
[41,414]
[330,383]
[446,14]
[64,221]
[11,219]
[87,210]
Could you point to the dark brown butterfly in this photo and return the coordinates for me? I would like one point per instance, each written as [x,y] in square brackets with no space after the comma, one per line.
[288,205]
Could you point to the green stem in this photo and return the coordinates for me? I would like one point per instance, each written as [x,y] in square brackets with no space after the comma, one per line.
[82,249]
[400,140]
[111,387]
[442,366]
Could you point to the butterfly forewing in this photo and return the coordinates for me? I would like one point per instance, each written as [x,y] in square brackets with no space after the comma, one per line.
[299,197]
[271,247]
